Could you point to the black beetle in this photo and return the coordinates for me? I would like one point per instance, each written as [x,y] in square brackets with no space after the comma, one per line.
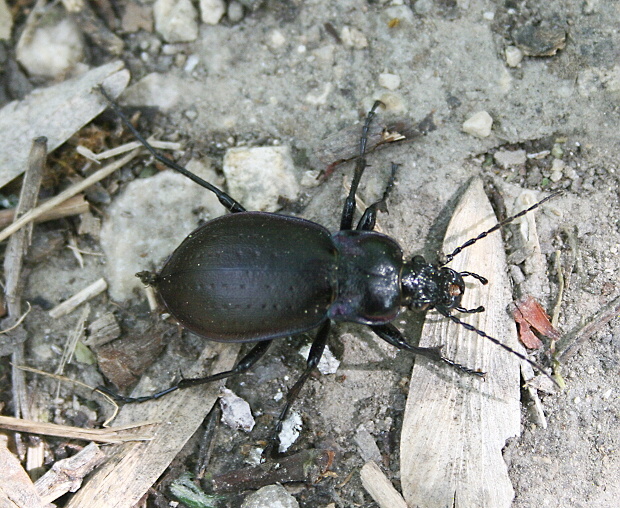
[256,277]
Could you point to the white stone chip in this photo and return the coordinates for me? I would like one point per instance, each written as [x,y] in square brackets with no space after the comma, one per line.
[259,176]
[236,412]
[176,20]
[328,364]
[291,428]
[389,81]
[353,38]
[53,48]
[513,56]
[479,124]
[211,11]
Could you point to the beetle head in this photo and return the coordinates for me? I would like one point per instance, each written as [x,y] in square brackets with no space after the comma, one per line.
[426,286]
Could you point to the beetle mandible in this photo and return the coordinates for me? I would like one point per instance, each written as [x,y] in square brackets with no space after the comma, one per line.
[258,276]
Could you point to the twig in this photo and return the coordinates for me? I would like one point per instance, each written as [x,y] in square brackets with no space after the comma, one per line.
[80,297]
[68,193]
[74,206]
[19,321]
[67,475]
[13,262]
[555,315]
[573,340]
[111,435]
[113,152]
[71,342]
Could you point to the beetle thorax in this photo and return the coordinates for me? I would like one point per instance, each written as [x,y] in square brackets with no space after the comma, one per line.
[426,286]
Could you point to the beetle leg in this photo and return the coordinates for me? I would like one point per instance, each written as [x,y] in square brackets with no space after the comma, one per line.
[242,365]
[346,222]
[316,352]
[393,336]
[369,218]
[228,202]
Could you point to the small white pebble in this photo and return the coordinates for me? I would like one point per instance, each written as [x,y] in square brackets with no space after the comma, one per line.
[235,12]
[176,20]
[191,63]
[211,11]
[291,428]
[353,38]
[513,56]
[557,170]
[479,124]
[389,81]
[236,412]
[276,39]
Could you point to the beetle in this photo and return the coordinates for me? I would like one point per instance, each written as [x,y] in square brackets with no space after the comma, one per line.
[257,276]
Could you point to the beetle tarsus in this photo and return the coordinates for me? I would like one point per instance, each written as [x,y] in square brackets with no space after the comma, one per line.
[147,278]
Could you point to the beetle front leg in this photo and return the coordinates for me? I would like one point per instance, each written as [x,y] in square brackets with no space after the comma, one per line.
[393,336]
[255,354]
[314,357]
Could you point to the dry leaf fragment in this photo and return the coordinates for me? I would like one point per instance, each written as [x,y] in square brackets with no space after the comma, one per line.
[528,314]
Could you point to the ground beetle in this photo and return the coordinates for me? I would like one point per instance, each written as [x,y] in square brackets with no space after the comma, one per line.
[256,277]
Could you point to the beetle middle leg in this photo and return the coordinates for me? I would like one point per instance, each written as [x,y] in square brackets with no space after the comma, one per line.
[247,362]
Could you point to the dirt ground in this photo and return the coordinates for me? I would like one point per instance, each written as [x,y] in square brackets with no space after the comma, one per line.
[293,73]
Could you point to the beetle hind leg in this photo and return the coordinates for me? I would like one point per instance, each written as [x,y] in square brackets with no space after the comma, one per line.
[247,362]
[316,352]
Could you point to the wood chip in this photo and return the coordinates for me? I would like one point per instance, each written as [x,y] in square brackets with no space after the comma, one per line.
[133,468]
[527,312]
[16,488]
[67,475]
[56,112]
[455,425]
[103,330]
[380,488]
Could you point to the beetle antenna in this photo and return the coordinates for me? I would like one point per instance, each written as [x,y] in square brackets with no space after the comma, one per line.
[497,226]
[472,328]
